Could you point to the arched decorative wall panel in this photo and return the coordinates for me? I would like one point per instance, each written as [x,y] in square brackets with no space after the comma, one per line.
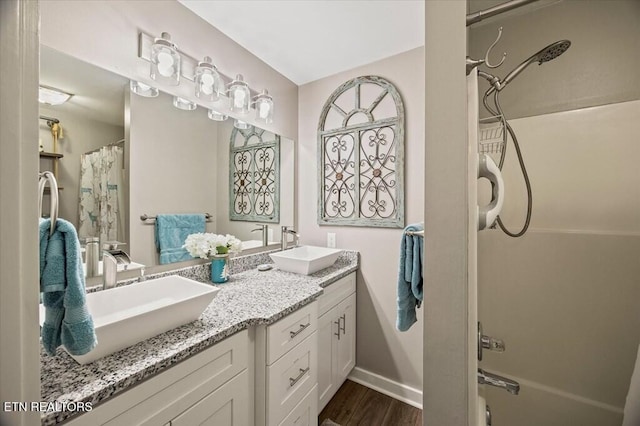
[254,176]
[361,154]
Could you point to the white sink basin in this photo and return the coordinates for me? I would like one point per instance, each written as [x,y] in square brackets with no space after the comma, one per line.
[305,260]
[124,316]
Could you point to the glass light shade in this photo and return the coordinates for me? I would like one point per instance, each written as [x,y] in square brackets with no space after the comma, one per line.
[184,104]
[51,96]
[242,125]
[264,107]
[165,61]
[208,81]
[216,116]
[239,96]
[142,89]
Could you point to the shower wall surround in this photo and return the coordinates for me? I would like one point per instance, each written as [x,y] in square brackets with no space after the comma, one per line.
[564,296]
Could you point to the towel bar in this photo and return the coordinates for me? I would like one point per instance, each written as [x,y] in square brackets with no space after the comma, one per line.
[43,179]
[416,233]
[145,217]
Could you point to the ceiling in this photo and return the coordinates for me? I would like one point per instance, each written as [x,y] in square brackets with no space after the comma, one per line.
[97,94]
[312,39]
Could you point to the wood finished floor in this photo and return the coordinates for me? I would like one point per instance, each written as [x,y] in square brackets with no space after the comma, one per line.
[355,404]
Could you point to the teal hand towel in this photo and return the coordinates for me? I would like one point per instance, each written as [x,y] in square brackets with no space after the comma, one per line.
[171,232]
[410,280]
[67,320]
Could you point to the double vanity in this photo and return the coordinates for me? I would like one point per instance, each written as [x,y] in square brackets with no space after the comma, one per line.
[268,349]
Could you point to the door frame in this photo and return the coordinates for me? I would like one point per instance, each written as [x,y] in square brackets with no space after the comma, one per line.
[450,382]
[19,288]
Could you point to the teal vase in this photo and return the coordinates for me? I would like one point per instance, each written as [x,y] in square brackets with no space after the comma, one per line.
[220,268]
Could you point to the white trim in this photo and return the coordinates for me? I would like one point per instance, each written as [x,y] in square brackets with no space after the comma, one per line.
[395,390]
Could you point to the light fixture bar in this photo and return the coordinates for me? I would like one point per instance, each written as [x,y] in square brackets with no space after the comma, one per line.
[189,63]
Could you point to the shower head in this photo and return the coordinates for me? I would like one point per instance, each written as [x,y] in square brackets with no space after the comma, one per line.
[547,54]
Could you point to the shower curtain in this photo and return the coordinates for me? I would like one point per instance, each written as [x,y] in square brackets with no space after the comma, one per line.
[101,204]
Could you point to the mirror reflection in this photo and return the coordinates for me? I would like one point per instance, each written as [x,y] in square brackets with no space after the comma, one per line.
[119,156]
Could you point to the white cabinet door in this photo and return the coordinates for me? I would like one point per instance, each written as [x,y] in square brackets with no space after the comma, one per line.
[327,351]
[226,406]
[346,353]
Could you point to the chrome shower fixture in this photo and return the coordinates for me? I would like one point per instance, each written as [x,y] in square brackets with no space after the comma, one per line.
[547,54]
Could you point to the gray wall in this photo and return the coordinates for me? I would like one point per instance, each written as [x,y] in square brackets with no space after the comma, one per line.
[600,67]
[173,154]
[381,348]
[563,295]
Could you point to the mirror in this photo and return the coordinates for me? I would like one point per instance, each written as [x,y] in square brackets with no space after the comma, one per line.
[169,161]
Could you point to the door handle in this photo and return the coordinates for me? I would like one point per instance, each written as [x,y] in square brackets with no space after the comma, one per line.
[339,328]
[488,214]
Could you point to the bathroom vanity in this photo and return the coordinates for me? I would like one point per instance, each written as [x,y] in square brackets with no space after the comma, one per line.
[257,355]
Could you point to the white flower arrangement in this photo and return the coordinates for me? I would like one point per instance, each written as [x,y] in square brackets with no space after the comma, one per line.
[207,245]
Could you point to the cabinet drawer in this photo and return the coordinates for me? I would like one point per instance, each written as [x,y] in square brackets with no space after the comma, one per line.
[291,378]
[291,330]
[305,413]
[335,292]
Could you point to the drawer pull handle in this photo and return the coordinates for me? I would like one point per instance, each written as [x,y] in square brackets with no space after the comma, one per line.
[300,330]
[344,324]
[293,381]
[339,328]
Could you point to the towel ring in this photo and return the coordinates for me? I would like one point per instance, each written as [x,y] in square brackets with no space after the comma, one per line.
[45,177]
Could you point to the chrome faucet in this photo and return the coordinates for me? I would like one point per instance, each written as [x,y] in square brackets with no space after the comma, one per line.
[511,386]
[285,236]
[265,233]
[110,269]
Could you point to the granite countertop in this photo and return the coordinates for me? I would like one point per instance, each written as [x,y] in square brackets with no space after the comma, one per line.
[249,298]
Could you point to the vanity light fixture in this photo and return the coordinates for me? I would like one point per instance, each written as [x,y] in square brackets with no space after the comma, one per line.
[208,80]
[264,107]
[184,104]
[49,95]
[216,116]
[142,89]
[241,125]
[239,95]
[165,61]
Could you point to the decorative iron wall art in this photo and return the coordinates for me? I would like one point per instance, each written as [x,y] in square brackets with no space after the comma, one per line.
[361,154]
[254,176]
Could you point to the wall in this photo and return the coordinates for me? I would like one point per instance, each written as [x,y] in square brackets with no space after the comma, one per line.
[81,134]
[105,33]
[600,67]
[174,153]
[381,349]
[563,295]
[450,387]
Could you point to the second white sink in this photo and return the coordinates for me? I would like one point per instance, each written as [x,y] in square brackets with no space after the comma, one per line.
[306,259]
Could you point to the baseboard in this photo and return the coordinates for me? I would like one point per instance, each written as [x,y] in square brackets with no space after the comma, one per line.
[391,388]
